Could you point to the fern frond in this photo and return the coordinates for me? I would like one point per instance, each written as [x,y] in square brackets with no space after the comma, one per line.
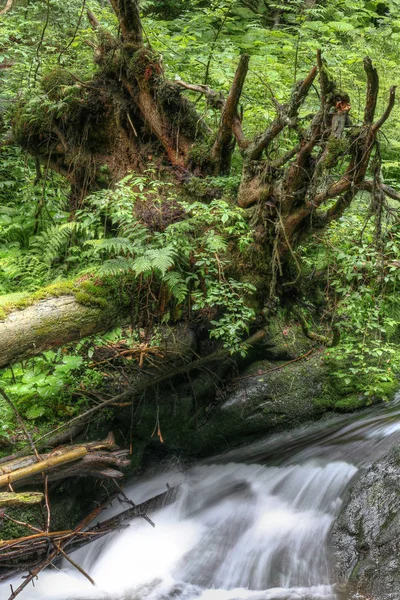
[116,266]
[176,285]
[116,245]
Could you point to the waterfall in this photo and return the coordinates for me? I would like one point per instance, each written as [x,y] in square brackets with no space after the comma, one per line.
[250,524]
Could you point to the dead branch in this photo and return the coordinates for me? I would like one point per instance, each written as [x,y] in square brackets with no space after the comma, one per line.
[93,20]
[96,459]
[230,128]
[52,555]
[389,108]
[42,466]
[372,91]
[288,113]
[214,99]
[129,19]
[35,547]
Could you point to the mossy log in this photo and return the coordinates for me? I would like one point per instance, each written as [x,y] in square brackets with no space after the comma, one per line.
[48,323]
[13,499]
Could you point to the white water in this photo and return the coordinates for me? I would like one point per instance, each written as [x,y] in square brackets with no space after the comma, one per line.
[248,525]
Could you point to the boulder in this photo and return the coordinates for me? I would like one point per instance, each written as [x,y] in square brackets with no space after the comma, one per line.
[366,536]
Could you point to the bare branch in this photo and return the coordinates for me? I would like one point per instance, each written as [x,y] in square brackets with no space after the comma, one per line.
[93,20]
[392,97]
[230,122]
[214,99]
[369,186]
[128,15]
[288,113]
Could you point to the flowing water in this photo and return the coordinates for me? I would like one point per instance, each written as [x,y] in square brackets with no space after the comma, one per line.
[253,523]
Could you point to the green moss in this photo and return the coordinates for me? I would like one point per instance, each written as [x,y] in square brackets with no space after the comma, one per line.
[350,403]
[55,80]
[144,65]
[336,148]
[89,300]
[86,293]
[24,514]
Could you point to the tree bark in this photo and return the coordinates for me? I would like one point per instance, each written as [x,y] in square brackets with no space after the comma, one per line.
[50,322]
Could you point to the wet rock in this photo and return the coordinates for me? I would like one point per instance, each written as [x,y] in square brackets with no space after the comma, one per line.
[366,536]
[198,417]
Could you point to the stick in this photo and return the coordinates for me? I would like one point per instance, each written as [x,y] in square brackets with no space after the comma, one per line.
[42,466]
[276,368]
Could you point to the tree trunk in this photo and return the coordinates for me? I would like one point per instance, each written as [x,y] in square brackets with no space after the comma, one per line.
[50,322]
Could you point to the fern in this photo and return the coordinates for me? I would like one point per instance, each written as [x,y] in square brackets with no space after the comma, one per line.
[116,245]
[116,266]
[176,285]
[54,241]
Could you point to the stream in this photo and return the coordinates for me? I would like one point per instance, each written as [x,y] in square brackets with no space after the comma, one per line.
[252,523]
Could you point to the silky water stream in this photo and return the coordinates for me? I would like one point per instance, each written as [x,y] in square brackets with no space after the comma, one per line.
[252,523]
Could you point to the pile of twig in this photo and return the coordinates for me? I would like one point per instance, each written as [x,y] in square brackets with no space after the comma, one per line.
[35,552]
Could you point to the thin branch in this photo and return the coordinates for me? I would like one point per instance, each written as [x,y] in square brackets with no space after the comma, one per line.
[392,97]
[214,99]
[368,186]
[287,114]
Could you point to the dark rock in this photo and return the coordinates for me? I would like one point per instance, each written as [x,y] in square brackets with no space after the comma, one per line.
[366,536]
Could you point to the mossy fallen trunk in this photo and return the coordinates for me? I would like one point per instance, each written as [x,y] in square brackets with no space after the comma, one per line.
[50,322]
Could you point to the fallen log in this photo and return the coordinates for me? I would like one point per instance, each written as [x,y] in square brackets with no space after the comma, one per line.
[13,499]
[96,464]
[12,463]
[50,322]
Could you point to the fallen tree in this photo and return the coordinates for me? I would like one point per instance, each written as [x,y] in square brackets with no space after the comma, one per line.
[50,322]
[289,191]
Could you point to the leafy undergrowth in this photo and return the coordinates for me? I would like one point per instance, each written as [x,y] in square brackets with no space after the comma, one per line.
[55,386]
